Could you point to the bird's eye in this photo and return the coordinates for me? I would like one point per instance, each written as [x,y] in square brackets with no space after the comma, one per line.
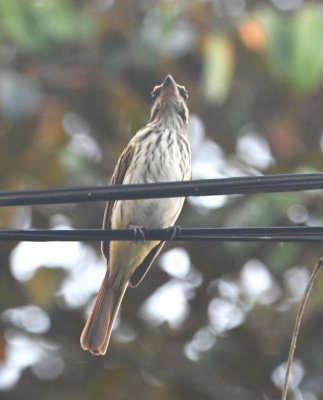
[183,92]
[156,92]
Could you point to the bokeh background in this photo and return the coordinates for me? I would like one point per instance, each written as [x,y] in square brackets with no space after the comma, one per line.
[211,320]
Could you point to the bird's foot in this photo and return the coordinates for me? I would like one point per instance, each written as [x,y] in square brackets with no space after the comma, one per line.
[139,232]
[173,231]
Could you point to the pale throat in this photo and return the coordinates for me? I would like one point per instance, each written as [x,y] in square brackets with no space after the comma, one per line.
[170,119]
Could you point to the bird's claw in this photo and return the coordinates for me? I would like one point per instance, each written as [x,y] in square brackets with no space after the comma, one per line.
[139,232]
[173,231]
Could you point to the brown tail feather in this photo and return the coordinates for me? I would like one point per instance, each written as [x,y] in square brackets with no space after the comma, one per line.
[96,333]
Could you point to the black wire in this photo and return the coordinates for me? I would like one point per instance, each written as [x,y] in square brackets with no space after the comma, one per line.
[207,187]
[271,234]
[239,185]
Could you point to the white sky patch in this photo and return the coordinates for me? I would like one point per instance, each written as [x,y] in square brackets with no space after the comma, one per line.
[175,262]
[49,367]
[254,150]
[208,202]
[298,214]
[295,280]
[224,315]
[296,375]
[177,39]
[23,352]
[9,375]
[257,283]
[81,141]
[30,318]
[124,333]
[20,96]
[208,162]
[228,290]
[287,5]
[84,268]
[255,278]
[82,283]
[27,257]
[167,304]
[203,340]
[21,219]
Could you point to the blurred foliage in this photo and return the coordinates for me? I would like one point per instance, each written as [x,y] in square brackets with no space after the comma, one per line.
[40,25]
[283,42]
[75,78]
[218,65]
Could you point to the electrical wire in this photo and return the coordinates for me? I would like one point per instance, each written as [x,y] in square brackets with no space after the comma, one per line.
[270,234]
[209,187]
[206,187]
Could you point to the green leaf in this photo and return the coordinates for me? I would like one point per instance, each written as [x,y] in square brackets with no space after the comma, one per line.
[35,26]
[217,68]
[307,70]
[294,47]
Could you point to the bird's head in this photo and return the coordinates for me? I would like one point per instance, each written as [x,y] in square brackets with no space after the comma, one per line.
[169,101]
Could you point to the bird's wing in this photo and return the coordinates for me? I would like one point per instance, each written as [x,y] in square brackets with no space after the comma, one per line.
[143,268]
[117,179]
[140,272]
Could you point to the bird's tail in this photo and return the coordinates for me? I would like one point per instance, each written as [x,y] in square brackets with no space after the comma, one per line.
[96,333]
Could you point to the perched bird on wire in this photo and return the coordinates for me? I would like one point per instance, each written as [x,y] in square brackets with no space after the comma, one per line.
[159,152]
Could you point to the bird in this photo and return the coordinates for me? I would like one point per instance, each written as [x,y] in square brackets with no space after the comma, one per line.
[159,152]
